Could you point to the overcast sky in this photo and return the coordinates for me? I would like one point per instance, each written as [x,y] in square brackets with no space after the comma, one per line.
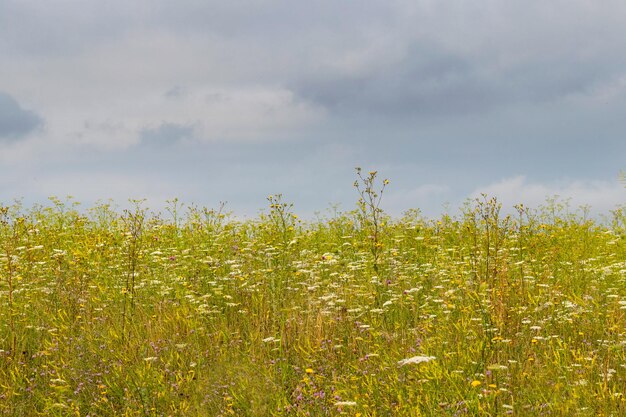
[213,101]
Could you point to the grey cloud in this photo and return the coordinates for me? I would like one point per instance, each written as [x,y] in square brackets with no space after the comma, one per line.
[502,67]
[175,92]
[271,19]
[16,122]
[166,134]
[46,29]
[426,81]
[430,81]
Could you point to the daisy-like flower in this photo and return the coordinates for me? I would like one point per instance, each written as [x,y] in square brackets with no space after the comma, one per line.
[416,359]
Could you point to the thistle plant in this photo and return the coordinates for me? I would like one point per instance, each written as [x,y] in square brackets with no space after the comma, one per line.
[282,222]
[214,218]
[282,217]
[174,207]
[494,227]
[369,213]
[9,236]
[133,225]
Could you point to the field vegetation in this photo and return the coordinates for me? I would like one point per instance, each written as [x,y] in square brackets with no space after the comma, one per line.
[194,313]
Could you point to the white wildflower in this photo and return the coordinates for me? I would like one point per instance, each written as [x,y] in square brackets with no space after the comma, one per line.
[416,359]
[270,339]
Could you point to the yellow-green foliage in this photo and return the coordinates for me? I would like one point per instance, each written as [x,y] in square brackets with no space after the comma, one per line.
[131,314]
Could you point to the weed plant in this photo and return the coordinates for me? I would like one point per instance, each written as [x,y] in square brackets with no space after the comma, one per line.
[199,314]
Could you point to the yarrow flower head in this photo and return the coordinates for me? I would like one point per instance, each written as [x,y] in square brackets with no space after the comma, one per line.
[345,403]
[416,359]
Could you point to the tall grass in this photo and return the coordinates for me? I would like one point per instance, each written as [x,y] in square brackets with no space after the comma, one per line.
[108,314]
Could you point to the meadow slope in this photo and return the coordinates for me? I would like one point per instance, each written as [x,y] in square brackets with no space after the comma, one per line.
[193,313]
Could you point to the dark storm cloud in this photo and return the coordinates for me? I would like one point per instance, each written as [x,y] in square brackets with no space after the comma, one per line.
[16,122]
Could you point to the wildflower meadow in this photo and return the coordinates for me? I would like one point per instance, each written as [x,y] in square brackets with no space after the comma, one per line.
[193,312]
